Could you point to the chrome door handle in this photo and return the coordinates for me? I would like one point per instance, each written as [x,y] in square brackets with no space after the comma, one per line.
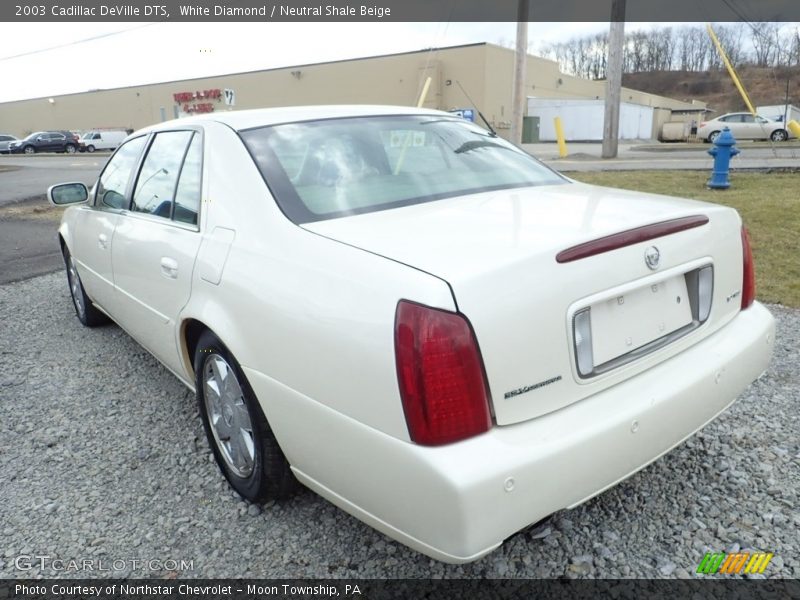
[169,267]
[102,241]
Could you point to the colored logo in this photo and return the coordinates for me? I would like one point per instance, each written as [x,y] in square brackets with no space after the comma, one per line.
[740,562]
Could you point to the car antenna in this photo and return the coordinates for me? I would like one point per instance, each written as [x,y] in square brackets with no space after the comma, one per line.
[480,114]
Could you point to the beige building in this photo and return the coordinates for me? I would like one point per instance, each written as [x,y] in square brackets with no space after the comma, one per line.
[482,71]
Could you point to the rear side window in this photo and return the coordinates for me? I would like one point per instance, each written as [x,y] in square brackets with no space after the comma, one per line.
[187,198]
[114,180]
[158,179]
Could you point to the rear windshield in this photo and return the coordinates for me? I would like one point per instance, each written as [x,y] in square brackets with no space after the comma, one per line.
[333,168]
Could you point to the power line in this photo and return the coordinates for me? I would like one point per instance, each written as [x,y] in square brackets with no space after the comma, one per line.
[76,42]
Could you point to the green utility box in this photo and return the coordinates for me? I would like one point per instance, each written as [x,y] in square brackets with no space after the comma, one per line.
[530,130]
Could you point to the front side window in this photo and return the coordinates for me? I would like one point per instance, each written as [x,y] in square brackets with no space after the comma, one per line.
[327,169]
[156,185]
[113,182]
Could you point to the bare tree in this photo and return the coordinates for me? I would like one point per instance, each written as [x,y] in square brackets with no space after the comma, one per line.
[764,37]
[684,48]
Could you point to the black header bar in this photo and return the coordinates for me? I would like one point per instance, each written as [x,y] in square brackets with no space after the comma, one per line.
[394,10]
[391,589]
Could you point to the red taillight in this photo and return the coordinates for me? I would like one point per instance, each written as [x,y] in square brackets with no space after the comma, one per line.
[748,271]
[440,373]
[702,124]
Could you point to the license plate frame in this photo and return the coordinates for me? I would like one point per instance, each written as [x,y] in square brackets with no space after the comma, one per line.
[637,318]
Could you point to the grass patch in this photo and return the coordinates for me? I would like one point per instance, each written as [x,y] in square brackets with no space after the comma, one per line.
[769,204]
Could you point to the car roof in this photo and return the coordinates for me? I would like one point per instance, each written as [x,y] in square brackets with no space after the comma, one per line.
[741,112]
[260,117]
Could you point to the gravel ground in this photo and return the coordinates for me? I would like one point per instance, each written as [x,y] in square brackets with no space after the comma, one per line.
[103,457]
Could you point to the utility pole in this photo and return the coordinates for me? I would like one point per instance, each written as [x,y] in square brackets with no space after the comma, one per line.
[519,98]
[616,42]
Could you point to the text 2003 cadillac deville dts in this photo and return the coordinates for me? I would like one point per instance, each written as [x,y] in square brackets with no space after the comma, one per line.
[412,317]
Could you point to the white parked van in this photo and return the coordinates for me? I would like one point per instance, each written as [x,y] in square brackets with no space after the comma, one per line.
[102,140]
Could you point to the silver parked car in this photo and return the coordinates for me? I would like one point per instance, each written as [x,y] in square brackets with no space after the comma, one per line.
[5,139]
[743,126]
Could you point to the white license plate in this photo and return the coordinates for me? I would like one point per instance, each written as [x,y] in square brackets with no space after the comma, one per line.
[625,323]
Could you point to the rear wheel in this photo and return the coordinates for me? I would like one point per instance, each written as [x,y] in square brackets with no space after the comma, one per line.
[779,135]
[70,149]
[713,136]
[29,150]
[243,443]
[86,312]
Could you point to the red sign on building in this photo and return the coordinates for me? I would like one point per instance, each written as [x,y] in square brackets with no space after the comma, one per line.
[190,104]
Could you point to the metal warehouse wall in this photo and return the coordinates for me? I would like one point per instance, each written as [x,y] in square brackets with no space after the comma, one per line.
[583,119]
[483,70]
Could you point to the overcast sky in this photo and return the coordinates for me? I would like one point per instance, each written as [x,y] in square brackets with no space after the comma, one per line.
[48,59]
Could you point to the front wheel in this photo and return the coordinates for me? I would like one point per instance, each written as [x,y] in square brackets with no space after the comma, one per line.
[29,150]
[90,148]
[243,443]
[779,135]
[87,313]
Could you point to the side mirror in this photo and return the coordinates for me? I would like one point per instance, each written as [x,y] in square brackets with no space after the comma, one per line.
[67,193]
[115,200]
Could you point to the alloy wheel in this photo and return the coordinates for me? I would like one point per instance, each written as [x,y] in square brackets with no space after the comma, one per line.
[228,416]
[75,288]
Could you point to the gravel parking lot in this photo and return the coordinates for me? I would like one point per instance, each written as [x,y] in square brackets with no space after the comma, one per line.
[103,457]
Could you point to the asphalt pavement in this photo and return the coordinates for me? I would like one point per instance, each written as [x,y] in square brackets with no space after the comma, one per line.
[28,228]
[23,177]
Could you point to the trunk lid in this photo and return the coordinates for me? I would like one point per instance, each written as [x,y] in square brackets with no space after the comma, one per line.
[497,251]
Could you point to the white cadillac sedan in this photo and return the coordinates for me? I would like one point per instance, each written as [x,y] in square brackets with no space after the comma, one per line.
[411,316]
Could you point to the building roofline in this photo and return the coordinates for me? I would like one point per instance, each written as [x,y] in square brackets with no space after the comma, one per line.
[252,72]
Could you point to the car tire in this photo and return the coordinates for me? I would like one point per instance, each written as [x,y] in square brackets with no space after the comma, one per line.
[779,135]
[29,150]
[88,314]
[90,148]
[713,136]
[70,149]
[240,437]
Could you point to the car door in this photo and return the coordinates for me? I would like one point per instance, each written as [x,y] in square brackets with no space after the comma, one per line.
[765,127]
[55,142]
[732,122]
[156,242]
[95,224]
[42,142]
[750,129]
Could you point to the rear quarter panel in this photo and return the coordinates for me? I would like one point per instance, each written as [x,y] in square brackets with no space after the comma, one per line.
[313,315]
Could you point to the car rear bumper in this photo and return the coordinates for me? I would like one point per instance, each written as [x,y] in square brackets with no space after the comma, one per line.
[459,502]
